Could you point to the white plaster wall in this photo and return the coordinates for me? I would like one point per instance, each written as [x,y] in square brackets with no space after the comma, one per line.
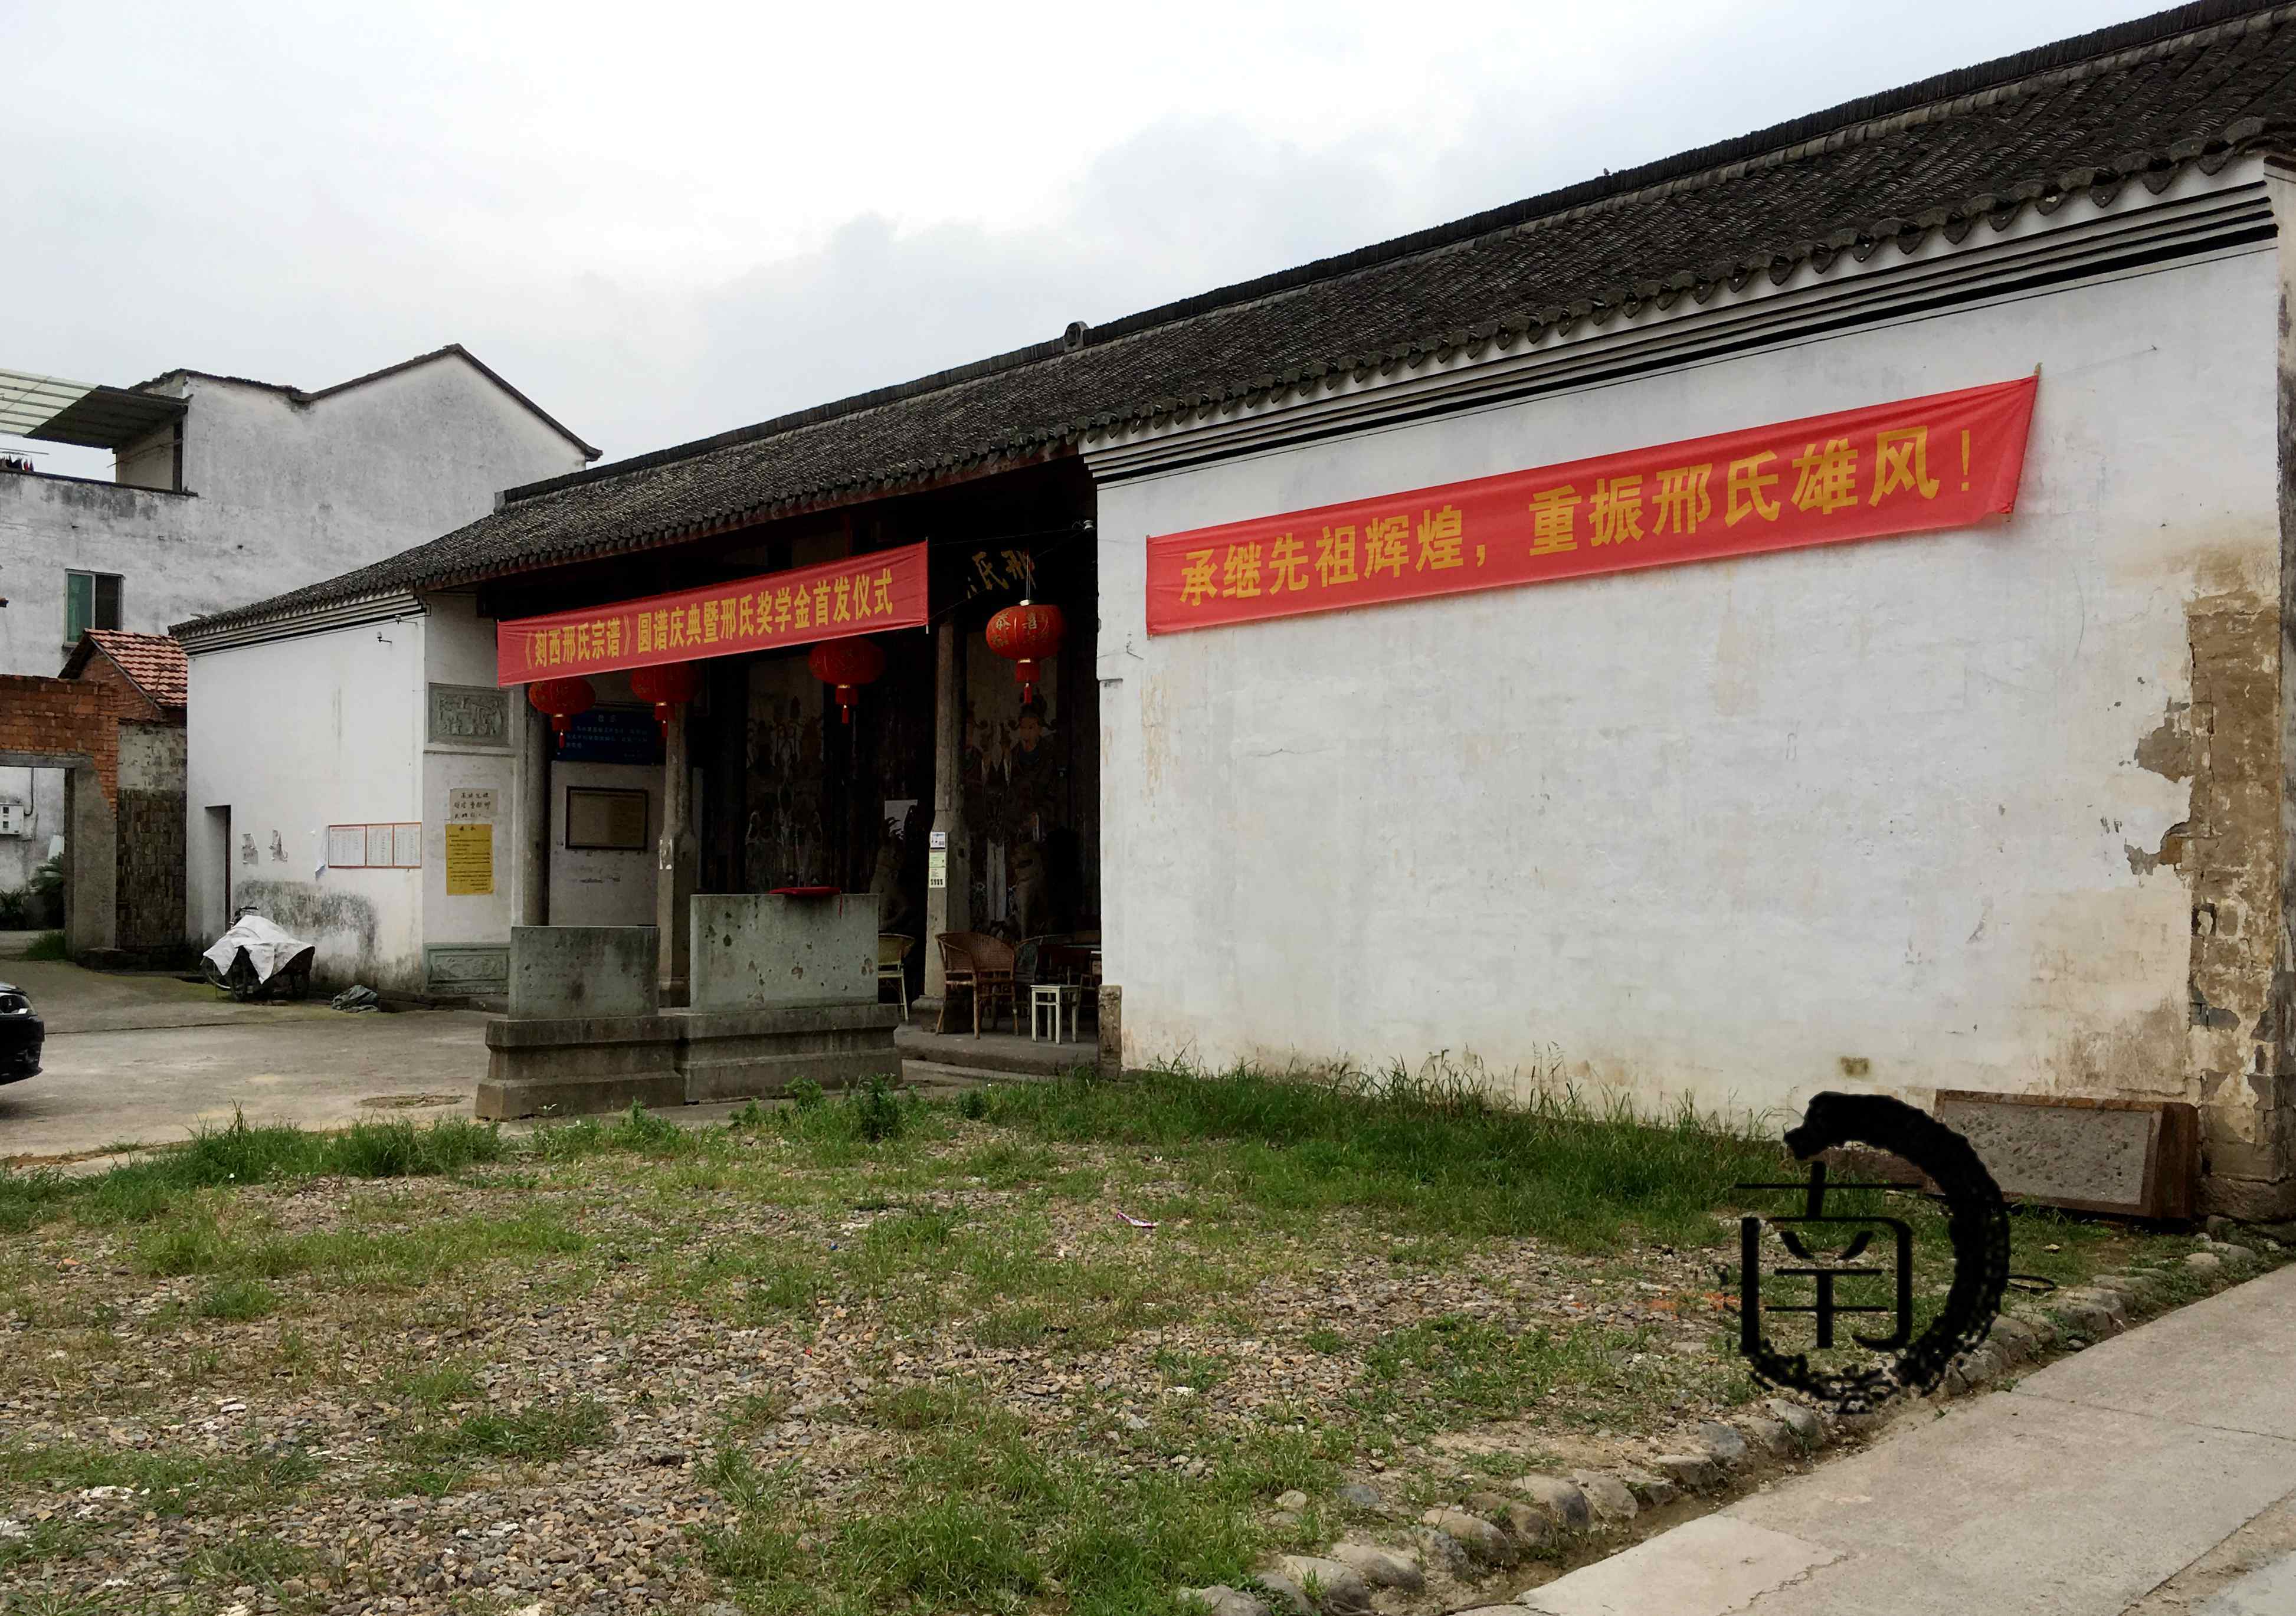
[459,649]
[1715,828]
[279,494]
[293,735]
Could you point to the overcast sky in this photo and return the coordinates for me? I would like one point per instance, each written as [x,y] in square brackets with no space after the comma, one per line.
[664,220]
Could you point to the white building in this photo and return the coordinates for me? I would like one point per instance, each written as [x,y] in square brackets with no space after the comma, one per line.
[1993,807]
[225,490]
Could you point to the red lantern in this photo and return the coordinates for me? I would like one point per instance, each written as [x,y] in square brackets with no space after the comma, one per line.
[562,699]
[848,664]
[1026,634]
[666,684]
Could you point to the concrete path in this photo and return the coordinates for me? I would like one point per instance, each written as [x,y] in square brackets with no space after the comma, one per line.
[147,1059]
[2153,1475]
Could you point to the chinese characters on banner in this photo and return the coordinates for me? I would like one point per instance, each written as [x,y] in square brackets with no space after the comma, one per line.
[859,594]
[1946,461]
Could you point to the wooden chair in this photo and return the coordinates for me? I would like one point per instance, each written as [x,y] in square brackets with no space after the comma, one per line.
[892,965]
[979,965]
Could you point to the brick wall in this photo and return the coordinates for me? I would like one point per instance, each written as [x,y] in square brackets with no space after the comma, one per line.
[64,716]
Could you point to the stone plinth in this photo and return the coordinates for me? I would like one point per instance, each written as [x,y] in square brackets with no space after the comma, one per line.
[573,1065]
[570,973]
[732,1054]
[754,951]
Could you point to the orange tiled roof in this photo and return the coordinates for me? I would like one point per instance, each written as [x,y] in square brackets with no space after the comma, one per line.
[153,663]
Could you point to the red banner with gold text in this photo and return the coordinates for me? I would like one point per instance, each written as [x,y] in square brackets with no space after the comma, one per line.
[860,595]
[1946,461]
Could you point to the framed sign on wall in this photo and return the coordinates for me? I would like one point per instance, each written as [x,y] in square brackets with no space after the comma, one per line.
[605,820]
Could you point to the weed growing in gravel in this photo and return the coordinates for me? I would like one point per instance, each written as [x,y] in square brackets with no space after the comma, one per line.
[259,1558]
[541,1430]
[238,1300]
[178,1480]
[435,1386]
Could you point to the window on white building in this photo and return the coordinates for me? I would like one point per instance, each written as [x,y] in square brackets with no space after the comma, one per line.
[91,600]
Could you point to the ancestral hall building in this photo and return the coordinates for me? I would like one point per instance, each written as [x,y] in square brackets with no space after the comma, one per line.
[1807,613]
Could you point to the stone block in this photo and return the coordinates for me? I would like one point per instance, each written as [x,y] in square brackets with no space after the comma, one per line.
[1722,1441]
[577,1066]
[1561,1500]
[2138,1158]
[754,949]
[733,1055]
[1482,1540]
[1650,1491]
[1611,1498]
[583,973]
[1338,1587]
[1382,1567]
[1688,1470]
[1808,1425]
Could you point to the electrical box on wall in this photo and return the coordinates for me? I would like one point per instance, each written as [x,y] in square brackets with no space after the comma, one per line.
[15,819]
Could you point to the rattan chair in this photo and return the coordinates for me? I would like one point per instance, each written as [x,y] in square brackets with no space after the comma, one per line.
[978,964]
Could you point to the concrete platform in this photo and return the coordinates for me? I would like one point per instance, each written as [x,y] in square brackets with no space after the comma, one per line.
[724,1054]
[992,1055]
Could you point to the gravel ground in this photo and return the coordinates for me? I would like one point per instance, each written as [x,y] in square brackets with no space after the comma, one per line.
[543,1382]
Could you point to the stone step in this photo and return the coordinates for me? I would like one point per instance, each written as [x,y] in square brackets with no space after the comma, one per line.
[996,1052]
[929,1074]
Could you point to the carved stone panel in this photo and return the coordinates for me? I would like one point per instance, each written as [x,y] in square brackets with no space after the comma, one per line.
[469,715]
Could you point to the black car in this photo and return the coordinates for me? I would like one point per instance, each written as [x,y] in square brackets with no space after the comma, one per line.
[22,1034]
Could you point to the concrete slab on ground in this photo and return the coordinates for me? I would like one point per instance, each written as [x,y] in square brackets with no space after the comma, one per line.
[155,1085]
[2088,1491]
[69,999]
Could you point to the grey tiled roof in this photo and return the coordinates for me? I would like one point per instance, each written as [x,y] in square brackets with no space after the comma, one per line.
[2132,103]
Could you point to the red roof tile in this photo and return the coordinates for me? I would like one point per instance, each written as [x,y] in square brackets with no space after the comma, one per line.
[153,663]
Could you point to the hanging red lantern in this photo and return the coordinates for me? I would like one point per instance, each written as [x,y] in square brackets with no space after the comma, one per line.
[562,699]
[1026,634]
[666,684]
[846,664]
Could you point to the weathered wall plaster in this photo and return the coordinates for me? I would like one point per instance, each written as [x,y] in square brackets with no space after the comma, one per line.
[1900,814]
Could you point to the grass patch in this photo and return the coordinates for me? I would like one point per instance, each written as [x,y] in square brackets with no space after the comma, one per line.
[540,1431]
[180,1480]
[238,1300]
[245,1153]
[47,945]
[245,1558]
[1432,1151]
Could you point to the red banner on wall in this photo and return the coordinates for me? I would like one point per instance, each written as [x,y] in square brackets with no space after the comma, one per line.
[860,595]
[1946,461]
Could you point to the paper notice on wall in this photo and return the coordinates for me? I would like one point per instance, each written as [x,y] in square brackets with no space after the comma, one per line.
[470,860]
[936,868]
[471,804]
[346,846]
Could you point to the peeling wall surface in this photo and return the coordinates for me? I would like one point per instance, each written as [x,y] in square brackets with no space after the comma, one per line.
[1993,808]
[278,494]
[291,736]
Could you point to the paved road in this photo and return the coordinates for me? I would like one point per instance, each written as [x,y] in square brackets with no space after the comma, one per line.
[147,1059]
[2153,1475]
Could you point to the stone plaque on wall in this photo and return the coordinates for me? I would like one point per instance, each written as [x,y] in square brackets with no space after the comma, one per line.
[470,715]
